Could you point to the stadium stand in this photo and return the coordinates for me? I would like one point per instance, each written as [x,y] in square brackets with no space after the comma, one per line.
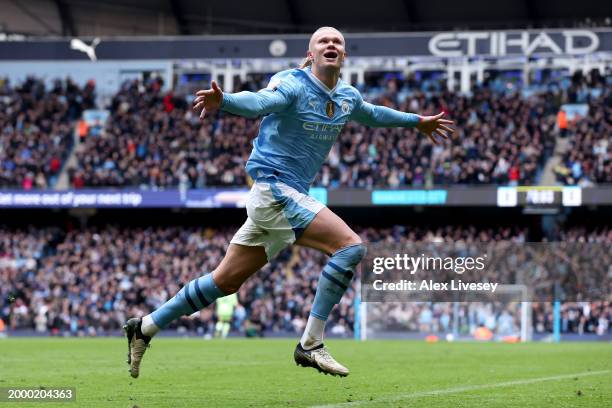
[36,129]
[587,160]
[85,282]
[152,140]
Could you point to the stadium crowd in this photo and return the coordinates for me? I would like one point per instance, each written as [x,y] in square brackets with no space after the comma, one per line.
[36,128]
[154,141]
[588,159]
[500,319]
[87,281]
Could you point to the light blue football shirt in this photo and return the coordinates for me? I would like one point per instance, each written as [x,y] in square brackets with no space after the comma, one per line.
[304,118]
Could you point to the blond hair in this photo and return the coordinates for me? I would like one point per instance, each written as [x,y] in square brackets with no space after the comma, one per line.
[306,62]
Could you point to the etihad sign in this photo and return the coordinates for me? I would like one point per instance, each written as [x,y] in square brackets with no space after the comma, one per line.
[500,43]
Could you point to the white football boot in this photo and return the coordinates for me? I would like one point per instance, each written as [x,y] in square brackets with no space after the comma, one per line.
[320,359]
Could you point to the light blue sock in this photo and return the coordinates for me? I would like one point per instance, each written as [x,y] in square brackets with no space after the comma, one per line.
[335,279]
[194,296]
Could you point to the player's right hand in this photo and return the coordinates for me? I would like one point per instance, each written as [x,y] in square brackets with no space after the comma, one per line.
[208,99]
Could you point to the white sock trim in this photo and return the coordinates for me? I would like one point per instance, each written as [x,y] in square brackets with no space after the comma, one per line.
[148,327]
[313,333]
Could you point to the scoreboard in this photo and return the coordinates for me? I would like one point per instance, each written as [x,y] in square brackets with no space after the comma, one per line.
[539,196]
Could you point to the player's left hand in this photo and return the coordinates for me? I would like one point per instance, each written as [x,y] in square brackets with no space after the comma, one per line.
[435,125]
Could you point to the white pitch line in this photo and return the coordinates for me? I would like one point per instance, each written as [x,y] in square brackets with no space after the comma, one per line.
[455,390]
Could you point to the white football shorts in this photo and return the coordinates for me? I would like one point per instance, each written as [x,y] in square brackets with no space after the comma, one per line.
[277,216]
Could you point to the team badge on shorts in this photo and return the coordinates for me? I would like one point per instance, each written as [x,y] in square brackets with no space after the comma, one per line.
[345,107]
[329,109]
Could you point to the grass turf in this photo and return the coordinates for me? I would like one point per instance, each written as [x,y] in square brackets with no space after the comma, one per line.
[261,373]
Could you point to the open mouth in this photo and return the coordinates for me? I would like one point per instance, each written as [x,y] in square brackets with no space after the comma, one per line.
[331,54]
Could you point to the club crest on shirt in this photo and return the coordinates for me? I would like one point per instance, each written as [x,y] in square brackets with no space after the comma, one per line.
[329,109]
[345,107]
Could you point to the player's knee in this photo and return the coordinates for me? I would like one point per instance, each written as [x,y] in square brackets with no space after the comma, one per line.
[354,239]
[351,239]
[358,252]
[351,254]
[229,288]
[226,284]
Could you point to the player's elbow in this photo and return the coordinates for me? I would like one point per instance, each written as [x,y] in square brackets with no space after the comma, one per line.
[255,110]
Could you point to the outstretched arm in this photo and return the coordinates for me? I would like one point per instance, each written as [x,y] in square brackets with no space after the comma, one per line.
[381,116]
[248,104]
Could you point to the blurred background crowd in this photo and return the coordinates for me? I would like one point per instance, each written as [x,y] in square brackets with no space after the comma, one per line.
[153,140]
[87,281]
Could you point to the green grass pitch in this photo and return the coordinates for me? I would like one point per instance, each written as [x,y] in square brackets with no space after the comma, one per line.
[261,373]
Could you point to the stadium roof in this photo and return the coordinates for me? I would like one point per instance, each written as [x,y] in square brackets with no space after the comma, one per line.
[172,17]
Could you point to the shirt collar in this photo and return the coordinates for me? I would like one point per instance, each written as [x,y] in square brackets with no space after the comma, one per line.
[320,84]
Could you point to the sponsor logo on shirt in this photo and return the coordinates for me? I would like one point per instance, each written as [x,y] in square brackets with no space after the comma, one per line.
[322,127]
[322,131]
